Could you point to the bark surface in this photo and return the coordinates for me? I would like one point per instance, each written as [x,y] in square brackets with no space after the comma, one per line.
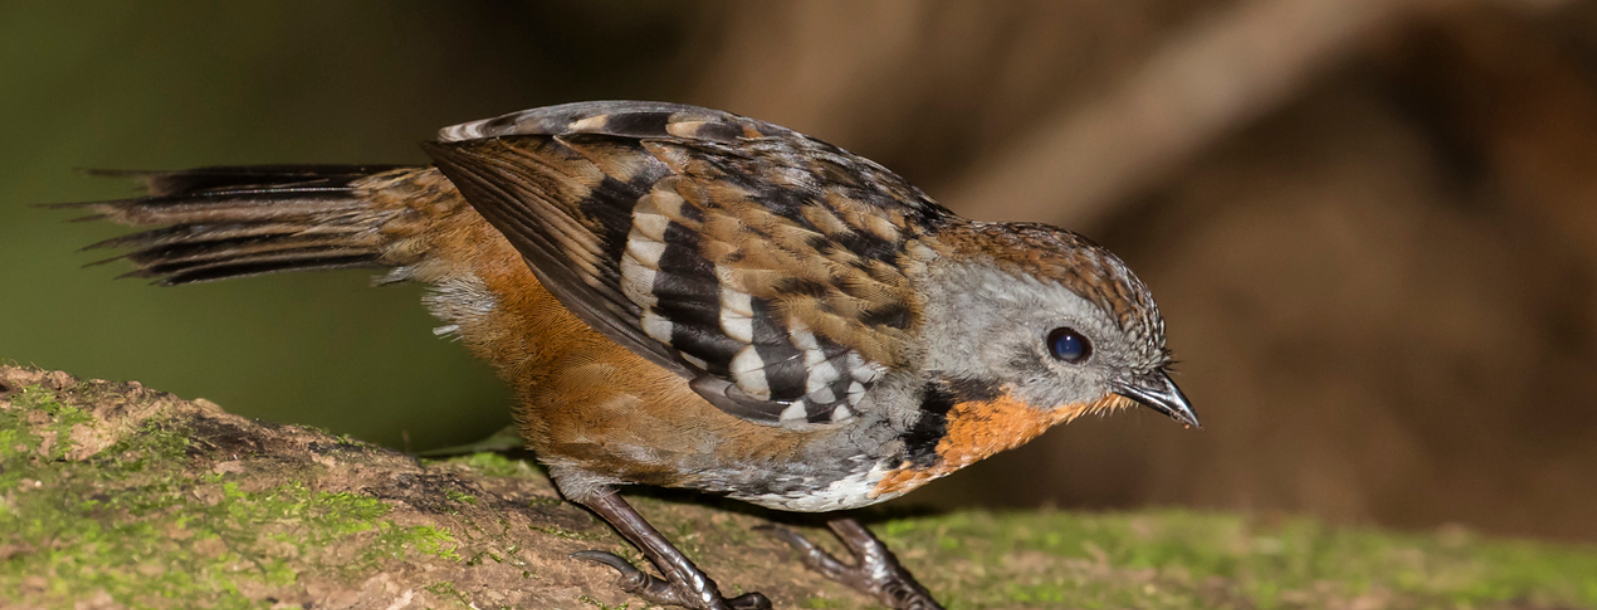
[113,495]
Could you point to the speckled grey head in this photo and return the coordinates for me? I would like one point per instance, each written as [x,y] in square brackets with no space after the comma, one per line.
[1058,319]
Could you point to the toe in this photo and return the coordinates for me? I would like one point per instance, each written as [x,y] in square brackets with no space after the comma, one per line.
[750,601]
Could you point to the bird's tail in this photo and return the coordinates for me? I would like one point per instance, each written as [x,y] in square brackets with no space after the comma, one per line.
[225,222]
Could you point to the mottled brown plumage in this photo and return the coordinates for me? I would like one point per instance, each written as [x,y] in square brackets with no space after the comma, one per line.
[688,298]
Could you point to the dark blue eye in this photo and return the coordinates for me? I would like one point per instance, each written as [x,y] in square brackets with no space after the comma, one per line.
[1068,345]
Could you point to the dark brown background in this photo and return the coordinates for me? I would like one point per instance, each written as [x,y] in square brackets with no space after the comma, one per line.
[1371,224]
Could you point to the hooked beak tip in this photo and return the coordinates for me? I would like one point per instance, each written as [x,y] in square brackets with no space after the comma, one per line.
[1159,392]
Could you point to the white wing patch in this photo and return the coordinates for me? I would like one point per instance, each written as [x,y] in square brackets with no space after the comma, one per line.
[796,412]
[835,380]
[640,265]
[748,370]
[737,314]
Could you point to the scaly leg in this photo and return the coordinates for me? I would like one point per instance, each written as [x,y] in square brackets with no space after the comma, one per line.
[684,583]
[875,572]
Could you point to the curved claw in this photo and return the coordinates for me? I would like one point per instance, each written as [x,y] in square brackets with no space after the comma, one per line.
[632,580]
[607,558]
[684,584]
[659,590]
[875,571]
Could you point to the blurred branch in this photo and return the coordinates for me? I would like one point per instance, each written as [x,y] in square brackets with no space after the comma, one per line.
[1081,160]
[1520,105]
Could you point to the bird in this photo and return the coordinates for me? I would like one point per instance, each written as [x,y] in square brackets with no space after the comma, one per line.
[688,298]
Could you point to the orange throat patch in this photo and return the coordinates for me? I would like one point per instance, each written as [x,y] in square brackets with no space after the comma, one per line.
[978,429]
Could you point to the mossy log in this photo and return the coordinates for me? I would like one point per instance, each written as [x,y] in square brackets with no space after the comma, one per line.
[116,496]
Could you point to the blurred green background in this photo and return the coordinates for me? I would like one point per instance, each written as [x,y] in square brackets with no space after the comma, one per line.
[153,86]
[1371,224]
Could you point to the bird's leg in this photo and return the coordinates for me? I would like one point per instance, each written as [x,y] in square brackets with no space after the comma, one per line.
[875,571]
[684,583]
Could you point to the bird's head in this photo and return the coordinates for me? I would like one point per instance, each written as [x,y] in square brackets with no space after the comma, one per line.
[1046,318]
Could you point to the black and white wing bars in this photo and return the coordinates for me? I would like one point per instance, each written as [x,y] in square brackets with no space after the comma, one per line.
[756,261]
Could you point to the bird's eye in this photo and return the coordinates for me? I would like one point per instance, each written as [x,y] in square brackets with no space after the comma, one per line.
[1068,345]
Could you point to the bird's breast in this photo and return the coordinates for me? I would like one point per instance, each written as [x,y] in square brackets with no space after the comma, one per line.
[977,429]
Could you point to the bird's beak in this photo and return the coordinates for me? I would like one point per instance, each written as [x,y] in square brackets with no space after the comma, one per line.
[1156,391]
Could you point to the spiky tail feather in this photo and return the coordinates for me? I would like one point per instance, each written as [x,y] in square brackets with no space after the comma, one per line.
[226,222]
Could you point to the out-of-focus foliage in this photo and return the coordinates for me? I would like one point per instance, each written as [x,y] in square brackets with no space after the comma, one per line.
[171,85]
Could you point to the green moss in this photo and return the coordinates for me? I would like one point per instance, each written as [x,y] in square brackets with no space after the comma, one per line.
[494,465]
[133,522]
[142,521]
[461,497]
[26,442]
[1179,559]
[447,590]
[589,600]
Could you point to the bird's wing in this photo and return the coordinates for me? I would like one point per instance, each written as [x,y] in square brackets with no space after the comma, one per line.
[759,263]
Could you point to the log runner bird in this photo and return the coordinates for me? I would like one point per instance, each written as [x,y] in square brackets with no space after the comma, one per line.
[683,297]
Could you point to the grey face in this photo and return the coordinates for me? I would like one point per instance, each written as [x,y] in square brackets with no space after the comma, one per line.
[1011,328]
[994,325]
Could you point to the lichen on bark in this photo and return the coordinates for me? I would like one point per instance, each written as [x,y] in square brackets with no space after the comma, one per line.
[116,496]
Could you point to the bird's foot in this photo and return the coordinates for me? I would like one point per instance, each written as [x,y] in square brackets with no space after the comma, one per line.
[875,571]
[694,591]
